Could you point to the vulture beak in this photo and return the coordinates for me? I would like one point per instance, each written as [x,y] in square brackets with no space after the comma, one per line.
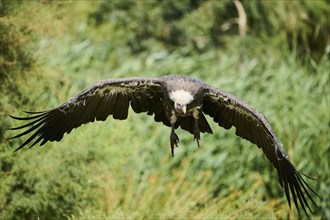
[184,109]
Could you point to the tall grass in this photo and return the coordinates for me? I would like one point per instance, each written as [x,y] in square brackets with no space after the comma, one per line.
[123,169]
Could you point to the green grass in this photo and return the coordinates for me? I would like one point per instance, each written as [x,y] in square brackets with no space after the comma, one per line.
[123,169]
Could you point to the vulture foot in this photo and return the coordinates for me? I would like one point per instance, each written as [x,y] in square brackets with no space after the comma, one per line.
[197,133]
[174,141]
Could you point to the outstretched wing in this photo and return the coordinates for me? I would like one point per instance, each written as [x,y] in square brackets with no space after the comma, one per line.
[107,97]
[228,111]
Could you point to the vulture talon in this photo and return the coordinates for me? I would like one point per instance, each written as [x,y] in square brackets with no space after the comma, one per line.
[197,138]
[197,133]
[174,139]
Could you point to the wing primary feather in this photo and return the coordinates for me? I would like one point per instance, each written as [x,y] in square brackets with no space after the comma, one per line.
[27,141]
[40,112]
[27,131]
[43,131]
[51,128]
[26,118]
[35,142]
[300,195]
[293,193]
[44,141]
[284,182]
[308,176]
[296,189]
[303,183]
[28,124]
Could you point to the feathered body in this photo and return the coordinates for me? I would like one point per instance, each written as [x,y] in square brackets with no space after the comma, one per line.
[176,101]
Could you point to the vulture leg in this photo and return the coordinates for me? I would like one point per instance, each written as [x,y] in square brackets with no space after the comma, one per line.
[196,130]
[174,139]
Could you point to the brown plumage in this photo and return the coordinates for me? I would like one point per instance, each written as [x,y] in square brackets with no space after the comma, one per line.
[176,101]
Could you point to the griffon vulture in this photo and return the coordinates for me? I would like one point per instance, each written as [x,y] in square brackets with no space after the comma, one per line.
[177,101]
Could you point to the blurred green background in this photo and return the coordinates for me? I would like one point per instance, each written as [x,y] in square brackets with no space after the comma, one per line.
[274,55]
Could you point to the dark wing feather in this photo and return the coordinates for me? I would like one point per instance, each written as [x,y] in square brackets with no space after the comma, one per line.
[108,97]
[228,111]
[187,123]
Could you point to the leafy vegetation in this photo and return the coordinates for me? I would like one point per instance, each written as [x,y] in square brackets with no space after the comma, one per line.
[278,62]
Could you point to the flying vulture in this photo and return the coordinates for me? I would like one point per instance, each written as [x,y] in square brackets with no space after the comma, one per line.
[176,101]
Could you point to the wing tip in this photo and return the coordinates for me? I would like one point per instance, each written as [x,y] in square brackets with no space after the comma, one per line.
[294,184]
